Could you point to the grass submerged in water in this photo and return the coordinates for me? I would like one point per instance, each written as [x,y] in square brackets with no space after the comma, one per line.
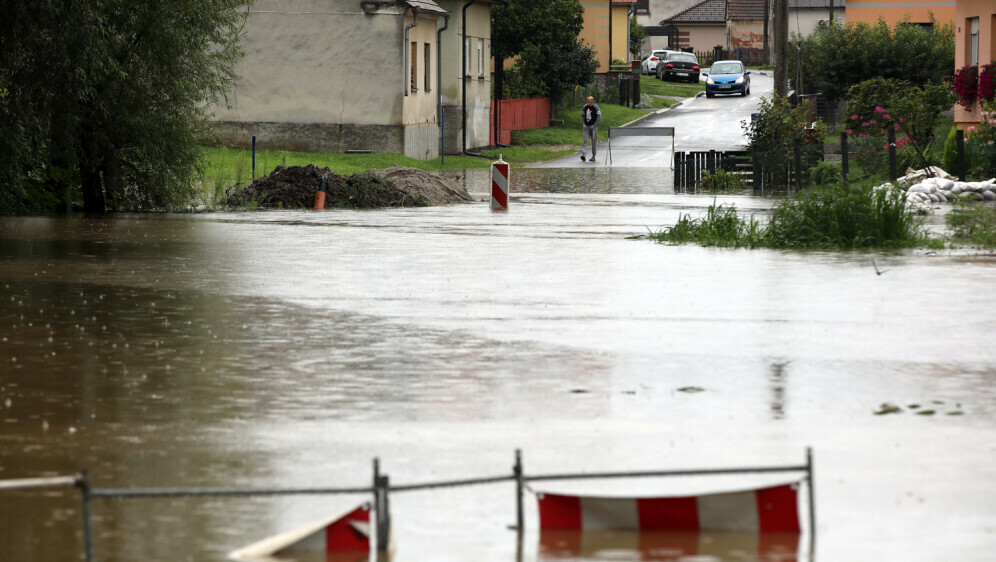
[824,217]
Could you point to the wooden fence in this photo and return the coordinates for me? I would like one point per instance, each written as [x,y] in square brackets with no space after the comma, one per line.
[517,115]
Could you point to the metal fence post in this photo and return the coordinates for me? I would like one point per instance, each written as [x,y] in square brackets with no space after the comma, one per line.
[517,471]
[843,156]
[756,165]
[893,173]
[83,481]
[960,135]
[378,503]
[812,502]
[798,163]
[384,536]
[254,157]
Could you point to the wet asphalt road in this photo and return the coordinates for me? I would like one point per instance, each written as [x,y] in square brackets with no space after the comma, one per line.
[699,123]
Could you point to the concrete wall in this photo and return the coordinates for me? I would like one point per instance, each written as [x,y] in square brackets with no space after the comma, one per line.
[478,77]
[985,10]
[748,34]
[703,37]
[321,75]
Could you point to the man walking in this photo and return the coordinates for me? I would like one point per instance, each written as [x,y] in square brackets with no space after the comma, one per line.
[591,116]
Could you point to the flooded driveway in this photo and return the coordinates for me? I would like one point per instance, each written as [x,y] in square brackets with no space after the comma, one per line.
[289,348]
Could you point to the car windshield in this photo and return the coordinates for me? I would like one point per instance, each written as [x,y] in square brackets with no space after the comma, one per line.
[727,68]
[682,58]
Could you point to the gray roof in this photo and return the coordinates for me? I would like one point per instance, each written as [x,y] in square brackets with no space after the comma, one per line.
[707,11]
[746,9]
[426,6]
[837,4]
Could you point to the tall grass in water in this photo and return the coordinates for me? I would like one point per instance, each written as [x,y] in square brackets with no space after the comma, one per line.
[973,223]
[824,217]
[720,227]
[842,216]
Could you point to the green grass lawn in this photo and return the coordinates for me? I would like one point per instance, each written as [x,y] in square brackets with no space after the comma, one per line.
[569,132]
[223,167]
[655,87]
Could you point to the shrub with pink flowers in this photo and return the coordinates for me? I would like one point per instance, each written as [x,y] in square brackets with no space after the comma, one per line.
[879,106]
[966,85]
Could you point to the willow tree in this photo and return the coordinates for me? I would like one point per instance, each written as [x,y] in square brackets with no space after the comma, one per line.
[102,102]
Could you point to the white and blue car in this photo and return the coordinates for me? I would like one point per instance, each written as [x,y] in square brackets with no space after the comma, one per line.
[727,77]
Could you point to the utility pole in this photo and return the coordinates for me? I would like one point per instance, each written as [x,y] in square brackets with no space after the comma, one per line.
[767,18]
[781,47]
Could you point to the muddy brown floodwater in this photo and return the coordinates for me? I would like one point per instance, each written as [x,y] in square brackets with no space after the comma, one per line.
[290,348]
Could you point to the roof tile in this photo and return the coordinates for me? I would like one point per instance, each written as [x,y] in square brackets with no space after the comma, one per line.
[707,11]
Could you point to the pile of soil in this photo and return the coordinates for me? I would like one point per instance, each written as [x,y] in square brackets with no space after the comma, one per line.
[435,189]
[295,187]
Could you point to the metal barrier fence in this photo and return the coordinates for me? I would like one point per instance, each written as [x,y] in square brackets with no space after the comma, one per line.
[382,488]
[690,166]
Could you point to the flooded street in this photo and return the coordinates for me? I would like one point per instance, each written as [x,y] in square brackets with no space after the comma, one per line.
[289,348]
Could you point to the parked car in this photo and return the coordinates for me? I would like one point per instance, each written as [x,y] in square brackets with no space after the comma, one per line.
[727,77]
[649,64]
[679,66]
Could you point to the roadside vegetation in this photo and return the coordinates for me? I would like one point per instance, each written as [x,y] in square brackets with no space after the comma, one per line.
[836,216]
[973,224]
[836,57]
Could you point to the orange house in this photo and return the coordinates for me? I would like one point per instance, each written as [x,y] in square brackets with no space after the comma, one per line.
[975,44]
[894,11]
[606,30]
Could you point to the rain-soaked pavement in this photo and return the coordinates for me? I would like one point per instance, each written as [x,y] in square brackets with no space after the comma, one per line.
[290,348]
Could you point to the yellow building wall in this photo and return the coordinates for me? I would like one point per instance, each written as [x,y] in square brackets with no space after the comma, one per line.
[599,18]
[985,10]
[917,11]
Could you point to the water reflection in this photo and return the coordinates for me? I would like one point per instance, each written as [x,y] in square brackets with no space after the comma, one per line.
[666,546]
[778,380]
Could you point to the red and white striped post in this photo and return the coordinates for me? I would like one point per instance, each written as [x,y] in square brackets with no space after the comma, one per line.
[499,185]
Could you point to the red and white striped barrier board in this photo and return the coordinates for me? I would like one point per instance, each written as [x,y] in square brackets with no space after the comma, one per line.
[348,532]
[560,544]
[765,510]
[499,185]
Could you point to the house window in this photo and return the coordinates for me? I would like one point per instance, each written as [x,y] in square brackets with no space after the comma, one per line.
[414,69]
[426,84]
[973,42]
[480,58]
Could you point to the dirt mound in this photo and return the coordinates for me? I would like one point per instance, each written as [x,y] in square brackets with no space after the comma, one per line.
[436,189]
[295,187]
[291,187]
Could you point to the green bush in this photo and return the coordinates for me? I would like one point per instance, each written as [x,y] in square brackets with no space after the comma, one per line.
[951,151]
[836,57]
[772,137]
[826,173]
[842,216]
